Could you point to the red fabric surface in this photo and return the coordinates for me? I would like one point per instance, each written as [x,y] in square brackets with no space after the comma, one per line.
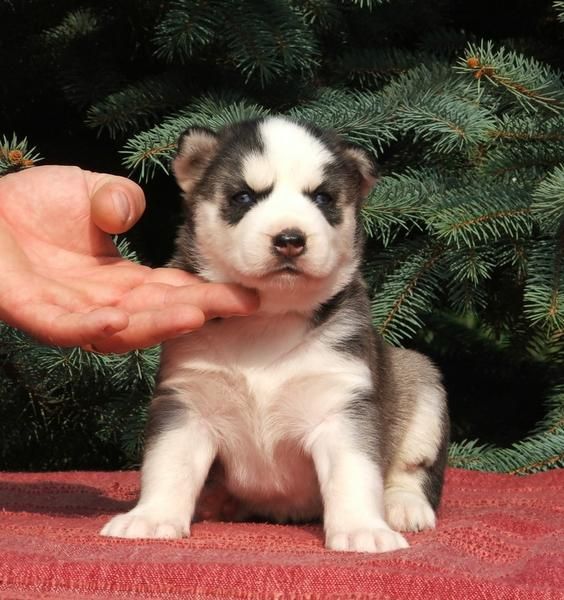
[498,537]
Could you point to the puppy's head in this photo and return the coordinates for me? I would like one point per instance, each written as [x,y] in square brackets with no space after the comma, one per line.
[272,205]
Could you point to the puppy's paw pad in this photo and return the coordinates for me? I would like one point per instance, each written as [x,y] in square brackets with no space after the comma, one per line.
[137,525]
[365,540]
[406,511]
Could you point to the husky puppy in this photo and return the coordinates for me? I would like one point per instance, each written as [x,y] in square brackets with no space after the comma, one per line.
[309,413]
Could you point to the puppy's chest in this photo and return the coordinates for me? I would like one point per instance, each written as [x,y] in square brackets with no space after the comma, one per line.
[263,374]
[263,386]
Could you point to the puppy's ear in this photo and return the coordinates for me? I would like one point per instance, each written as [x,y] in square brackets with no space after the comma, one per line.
[196,148]
[365,166]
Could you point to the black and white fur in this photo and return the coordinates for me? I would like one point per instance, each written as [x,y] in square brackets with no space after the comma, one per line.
[309,412]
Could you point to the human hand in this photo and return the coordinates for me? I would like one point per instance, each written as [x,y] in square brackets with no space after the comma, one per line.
[63,281]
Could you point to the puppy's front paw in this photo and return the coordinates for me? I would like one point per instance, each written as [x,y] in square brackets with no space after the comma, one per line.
[406,511]
[365,540]
[143,523]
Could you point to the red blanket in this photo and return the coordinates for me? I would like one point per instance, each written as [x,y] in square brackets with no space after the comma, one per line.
[498,536]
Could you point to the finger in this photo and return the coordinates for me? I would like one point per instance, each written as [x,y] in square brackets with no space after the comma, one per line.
[148,328]
[212,299]
[172,276]
[117,203]
[217,299]
[54,325]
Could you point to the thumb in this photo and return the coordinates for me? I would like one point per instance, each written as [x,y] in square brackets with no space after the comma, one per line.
[116,202]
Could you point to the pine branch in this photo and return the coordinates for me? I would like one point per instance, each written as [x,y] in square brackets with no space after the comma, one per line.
[269,40]
[468,211]
[473,265]
[559,8]
[76,24]
[152,150]
[528,128]
[125,249]
[369,67]
[470,271]
[398,204]
[369,4]
[553,420]
[548,203]
[544,290]
[47,408]
[434,79]
[132,438]
[530,82]
[86,65]
[466,296]
[407,294]
[526,162]
[16,155]
[137,105]
[431,103]
[448,123]
[542,450]
[358,117]
[189,26]
[321,14]
[470,217]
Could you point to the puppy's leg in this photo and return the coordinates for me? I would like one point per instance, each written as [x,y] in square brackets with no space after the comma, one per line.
[180,451]
[414,481]
[352,490]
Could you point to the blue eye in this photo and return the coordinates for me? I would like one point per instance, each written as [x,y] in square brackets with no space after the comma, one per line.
[244,198]
[322,198]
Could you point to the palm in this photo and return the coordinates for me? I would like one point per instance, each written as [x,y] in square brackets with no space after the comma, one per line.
[66,283]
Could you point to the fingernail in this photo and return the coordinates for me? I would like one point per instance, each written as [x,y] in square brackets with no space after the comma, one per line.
[121,206]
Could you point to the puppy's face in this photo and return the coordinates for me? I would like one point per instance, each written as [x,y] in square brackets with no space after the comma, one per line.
[274,206]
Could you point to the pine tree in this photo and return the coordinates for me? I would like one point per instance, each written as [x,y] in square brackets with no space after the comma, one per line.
[16,155]
[465,225]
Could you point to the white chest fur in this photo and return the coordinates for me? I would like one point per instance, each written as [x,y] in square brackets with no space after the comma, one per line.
[262,385]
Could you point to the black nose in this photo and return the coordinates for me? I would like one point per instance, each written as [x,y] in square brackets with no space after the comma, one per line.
[289,242]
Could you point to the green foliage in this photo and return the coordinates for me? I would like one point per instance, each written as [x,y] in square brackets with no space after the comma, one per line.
[448,123]
[266,39]
[151,150]
[368,3]
[68,397]
[531,83]
[548,201]
[408,291]
[270,41]
[559,8]
[137,104]
[368,67]
[187,27]
[470,218]
[397,205]
[466,218]
[358,117]
[322,14]
[543,449]
[16,155]
[76,24]
[544,289]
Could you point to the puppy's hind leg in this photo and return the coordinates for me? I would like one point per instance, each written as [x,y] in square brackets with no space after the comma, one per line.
[414,481]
